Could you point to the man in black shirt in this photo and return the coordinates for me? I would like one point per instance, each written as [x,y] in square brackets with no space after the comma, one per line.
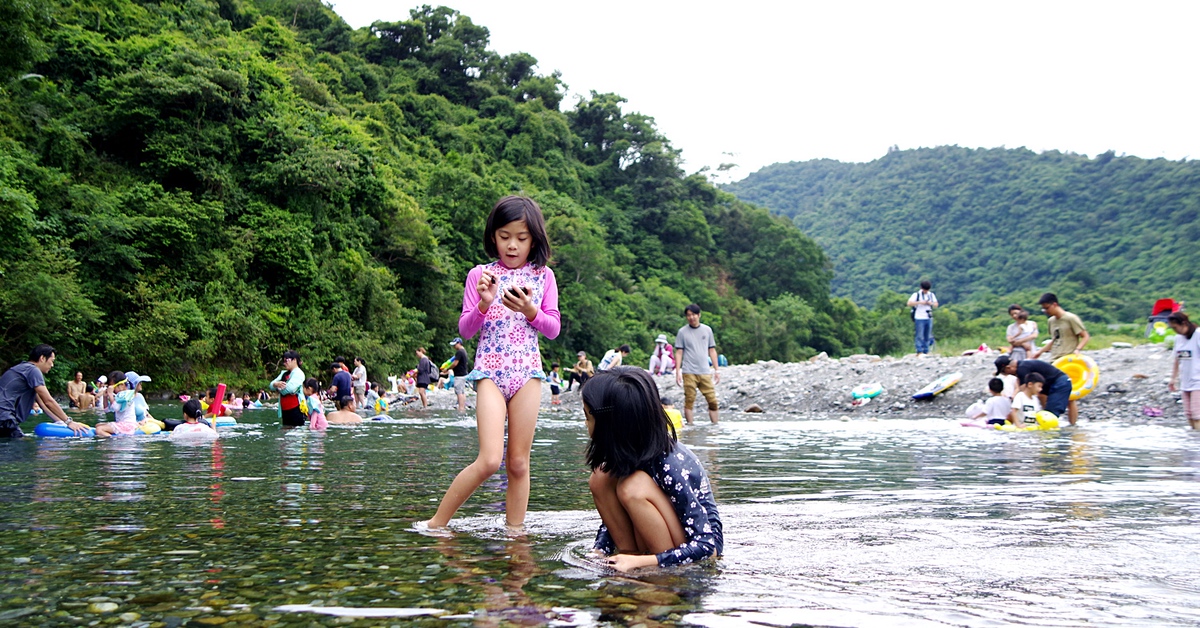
[458,365]
[1057,391]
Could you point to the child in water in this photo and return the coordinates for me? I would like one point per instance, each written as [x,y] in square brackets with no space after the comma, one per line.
[122,401]
[996,409]
[316,411]
[651,492]
[192,425]
[555,384]
[1026,404]
[511,300]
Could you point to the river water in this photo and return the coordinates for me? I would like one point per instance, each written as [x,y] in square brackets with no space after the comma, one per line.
[827,523]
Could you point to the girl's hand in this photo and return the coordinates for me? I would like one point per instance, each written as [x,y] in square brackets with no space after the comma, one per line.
[629,562]
[487,287]
[522,304]
[1171,386]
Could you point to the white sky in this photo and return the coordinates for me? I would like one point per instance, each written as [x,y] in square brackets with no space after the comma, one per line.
[788,81]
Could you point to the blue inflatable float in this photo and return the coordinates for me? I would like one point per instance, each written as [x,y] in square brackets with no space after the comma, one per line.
[58,430]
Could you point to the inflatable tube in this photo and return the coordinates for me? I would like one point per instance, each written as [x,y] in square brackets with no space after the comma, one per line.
[938,386]
[223,421]
[1082,370]
[150,426]
[58,430]
[867,391]
[1042,421]
[196,431]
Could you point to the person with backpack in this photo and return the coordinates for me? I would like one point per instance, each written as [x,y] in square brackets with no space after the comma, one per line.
[427,373]
[923,303]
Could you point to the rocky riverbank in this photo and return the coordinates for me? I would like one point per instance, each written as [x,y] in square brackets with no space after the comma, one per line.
[1131,379]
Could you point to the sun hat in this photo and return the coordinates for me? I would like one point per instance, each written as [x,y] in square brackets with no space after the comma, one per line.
[103,379]
[661,338]
[134,379]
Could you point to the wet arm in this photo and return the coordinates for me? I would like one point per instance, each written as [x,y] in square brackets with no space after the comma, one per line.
[548,320]
[50,405]
[471,319]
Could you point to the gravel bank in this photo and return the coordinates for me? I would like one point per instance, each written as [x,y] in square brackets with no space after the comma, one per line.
[1130,380]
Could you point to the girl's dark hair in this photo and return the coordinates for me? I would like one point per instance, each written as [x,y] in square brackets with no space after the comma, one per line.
[291,354]
[312,383]
[511,209]
[191,408]
[631,428]
[115,377]
[1179,318]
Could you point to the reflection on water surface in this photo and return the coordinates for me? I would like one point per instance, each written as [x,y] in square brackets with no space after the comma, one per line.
[862,523]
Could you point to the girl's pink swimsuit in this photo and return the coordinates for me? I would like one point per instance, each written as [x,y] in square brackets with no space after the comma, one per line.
[508,351]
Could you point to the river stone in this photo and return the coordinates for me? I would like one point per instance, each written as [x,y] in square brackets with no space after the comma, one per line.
[101,607]
[129,618]
[754,407]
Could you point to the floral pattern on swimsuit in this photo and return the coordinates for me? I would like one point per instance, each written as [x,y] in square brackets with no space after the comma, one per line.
[681,476]
[508,352]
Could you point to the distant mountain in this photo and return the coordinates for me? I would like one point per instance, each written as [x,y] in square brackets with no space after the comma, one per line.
[992,220]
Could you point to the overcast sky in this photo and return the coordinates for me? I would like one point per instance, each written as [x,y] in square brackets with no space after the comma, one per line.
[754,82]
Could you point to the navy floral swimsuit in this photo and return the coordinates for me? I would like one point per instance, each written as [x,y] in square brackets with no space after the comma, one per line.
[681,476]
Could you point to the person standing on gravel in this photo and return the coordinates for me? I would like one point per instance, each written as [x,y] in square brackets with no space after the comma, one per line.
[1067,333]
[695,349]
[923,303]
[1185,374]
[1056,394]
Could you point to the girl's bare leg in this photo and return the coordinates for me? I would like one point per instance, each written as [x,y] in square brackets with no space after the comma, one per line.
[103,430]
[612,512]
[489,416]
[522,422]
[655,524]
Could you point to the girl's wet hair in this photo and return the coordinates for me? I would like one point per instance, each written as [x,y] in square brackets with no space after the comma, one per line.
[631,428]
[115,378]
[511,209]
[191,408]
[312,384]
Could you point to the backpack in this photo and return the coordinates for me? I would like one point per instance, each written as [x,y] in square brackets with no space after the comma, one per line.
[432,371]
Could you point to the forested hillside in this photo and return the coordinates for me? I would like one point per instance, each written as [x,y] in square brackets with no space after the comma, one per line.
[981,222]
[189,188]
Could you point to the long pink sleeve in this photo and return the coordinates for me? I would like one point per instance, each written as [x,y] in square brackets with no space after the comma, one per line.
[471,319]
[548,320]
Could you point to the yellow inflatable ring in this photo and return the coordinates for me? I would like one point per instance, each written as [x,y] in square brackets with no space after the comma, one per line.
[1082,370]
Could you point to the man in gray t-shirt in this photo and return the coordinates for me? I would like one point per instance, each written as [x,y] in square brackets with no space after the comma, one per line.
[25,383]
[694,347]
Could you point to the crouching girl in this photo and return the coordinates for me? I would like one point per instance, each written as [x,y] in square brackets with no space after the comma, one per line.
[651,492]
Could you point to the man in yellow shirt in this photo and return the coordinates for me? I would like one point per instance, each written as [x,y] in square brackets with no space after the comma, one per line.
[1067,336]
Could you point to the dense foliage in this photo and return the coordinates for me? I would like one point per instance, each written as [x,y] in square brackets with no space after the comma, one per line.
[1117,232]
[191,187]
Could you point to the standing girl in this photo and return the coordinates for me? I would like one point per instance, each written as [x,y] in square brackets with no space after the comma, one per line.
[510,300]
[652,493]
[312,402]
